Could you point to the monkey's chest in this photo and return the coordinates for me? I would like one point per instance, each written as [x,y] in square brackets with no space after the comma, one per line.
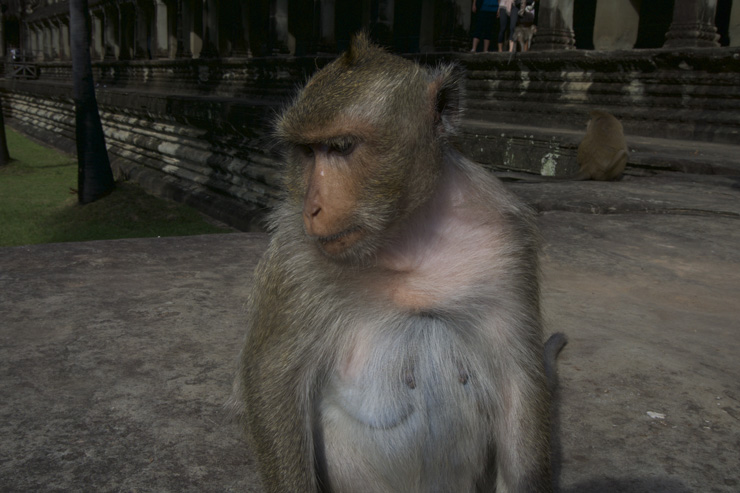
[404,409]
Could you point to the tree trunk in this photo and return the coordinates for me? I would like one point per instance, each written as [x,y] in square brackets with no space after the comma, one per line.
[4,155]
[94,174]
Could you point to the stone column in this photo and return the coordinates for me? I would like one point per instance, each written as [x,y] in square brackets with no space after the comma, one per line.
[96,35]
[111,25]
[64,39]
[554,26]
[693,24]
[184,28]
[381,23]
[233,29]
[126,31]
[210,29]
[616,24]
[33,38]
[734,29]
[143,42]
[426,30]
[161,31]
[2,37]
[173,24]
[280,36]
[327,41]
[54,40]
[241,45]
[45,42]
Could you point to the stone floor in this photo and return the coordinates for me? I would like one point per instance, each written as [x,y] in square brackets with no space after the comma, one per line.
[116,356]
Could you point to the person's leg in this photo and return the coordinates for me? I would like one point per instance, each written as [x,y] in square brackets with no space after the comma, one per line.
[486,45]
[503,19]
[512,27]
[475,45]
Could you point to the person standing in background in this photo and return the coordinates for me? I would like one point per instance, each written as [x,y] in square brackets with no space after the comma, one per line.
[507,16]
[485,11]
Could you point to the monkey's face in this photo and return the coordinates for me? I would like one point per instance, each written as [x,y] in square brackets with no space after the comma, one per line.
[361,152]
[351,189]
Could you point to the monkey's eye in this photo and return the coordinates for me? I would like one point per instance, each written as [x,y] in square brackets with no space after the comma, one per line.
[342,147]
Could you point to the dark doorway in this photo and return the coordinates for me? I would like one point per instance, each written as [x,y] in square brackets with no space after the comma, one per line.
[407,26]
[584,17]
[655,19]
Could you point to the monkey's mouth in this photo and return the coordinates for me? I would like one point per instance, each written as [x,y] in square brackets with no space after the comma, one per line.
[338,242]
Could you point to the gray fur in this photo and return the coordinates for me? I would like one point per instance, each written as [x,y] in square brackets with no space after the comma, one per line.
[345,388]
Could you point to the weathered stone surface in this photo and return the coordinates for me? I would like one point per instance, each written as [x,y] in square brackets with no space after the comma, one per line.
[116,356]
[115,363]
[199,130]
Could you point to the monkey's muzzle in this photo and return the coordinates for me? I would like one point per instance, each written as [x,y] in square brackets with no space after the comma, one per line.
[339,242]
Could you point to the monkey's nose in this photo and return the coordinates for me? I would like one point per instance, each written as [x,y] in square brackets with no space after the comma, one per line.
[311,215]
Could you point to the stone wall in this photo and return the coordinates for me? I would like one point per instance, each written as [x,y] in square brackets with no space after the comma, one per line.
[198,130]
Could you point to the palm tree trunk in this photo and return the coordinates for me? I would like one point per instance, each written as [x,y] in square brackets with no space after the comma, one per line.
[94,174]
[4,155]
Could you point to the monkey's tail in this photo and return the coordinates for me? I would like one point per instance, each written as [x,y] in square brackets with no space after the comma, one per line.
[553,346]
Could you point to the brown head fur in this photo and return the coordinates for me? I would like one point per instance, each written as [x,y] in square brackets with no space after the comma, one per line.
[391,116]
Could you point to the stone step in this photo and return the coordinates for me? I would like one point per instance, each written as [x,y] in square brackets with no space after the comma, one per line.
[551,151]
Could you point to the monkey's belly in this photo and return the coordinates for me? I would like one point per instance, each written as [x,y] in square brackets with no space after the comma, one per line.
[404,415]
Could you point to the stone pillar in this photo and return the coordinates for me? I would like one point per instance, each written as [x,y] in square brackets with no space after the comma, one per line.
[693,25]
[126,31]
[426,29]
[616,24]
[210,29]
[233,30]
[33,37]
[173,24]
[196,28]
[96,36]
[280,36]
[111,47]
[53,39]
[327,41]
[144,19]
[184,28]
[734,28]
[381,23]
[64,39]
[161,31]
[240,45]
[45,42]
[554,26]
[2,37]
[452,25]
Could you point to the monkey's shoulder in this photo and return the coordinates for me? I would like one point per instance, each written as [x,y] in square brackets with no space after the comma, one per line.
[462,252]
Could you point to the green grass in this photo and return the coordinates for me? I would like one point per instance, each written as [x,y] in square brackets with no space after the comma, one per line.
[38,203]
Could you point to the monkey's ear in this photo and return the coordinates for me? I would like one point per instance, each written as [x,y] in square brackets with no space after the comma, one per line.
[445,93]
[359,46]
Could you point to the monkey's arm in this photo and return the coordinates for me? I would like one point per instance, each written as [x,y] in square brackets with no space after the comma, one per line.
[523,430]
[278,413]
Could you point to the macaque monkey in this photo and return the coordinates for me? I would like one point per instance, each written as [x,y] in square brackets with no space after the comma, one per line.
[394,341]
[523,37]
[602,154]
